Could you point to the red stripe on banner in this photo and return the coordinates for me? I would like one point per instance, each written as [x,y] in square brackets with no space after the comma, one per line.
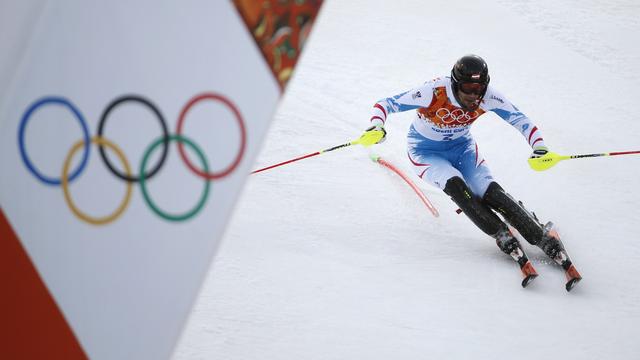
[382,109]
[535,128]
[538,139]
[377,117]
[32,325]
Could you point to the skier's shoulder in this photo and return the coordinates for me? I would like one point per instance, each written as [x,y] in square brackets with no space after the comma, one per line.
[426,90]
[418,94]
[494,99]
[496,102]
[438,82]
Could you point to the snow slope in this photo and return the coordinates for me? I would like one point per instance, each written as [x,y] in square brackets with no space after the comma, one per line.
[334,257]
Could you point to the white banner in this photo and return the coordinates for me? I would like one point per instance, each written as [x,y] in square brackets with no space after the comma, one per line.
[124,254]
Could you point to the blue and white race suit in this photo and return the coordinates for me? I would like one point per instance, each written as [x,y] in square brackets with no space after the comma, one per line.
[439,143]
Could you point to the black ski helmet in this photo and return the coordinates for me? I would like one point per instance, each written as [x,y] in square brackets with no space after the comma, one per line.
[469,69]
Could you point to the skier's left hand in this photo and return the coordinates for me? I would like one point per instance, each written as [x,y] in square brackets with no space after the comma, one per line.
[538,152]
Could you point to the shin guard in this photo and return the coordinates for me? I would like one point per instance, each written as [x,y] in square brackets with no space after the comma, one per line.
[475,210]
[514,213]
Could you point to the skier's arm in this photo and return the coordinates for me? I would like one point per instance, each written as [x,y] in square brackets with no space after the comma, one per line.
[408,100]
[509,113]
[530,131]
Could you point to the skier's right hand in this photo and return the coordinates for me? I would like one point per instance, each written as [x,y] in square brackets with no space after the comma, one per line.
[373,135]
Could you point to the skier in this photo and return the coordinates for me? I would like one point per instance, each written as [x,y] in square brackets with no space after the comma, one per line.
[444,154]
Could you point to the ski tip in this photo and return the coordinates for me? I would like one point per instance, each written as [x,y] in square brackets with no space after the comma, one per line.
[529,273]
[573,277]
[571,283]
[528,279]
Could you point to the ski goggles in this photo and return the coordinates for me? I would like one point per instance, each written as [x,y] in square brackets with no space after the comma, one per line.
[473,88]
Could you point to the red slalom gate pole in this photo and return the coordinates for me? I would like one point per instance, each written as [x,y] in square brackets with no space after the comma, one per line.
[404,177]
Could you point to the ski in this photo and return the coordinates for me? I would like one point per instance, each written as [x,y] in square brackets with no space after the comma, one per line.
[572,275]
[560,256]
[529,273]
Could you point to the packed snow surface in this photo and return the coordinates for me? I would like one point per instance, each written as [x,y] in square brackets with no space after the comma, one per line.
[335,257]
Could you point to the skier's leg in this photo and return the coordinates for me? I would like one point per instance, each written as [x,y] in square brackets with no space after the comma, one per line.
[467,193]
[491,224]
[475,210]
[545,237]
[514,212]
[434,168]
[478,176]
[438,171]
[474,169]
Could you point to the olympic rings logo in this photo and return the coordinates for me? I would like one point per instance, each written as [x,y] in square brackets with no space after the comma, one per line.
[127,176]
[458,115]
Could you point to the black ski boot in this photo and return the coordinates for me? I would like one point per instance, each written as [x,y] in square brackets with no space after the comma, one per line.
[511,246]
[553,247]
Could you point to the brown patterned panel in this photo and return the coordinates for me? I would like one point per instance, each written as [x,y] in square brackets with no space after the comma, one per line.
[280,28]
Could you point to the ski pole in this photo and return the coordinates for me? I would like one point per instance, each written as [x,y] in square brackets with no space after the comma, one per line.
[551,159]
[367,139]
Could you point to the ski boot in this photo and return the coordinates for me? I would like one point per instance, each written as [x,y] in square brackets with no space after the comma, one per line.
[511,246]
[553,247]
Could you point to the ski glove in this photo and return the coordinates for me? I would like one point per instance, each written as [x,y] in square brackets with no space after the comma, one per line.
[373,135]
[538,152]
